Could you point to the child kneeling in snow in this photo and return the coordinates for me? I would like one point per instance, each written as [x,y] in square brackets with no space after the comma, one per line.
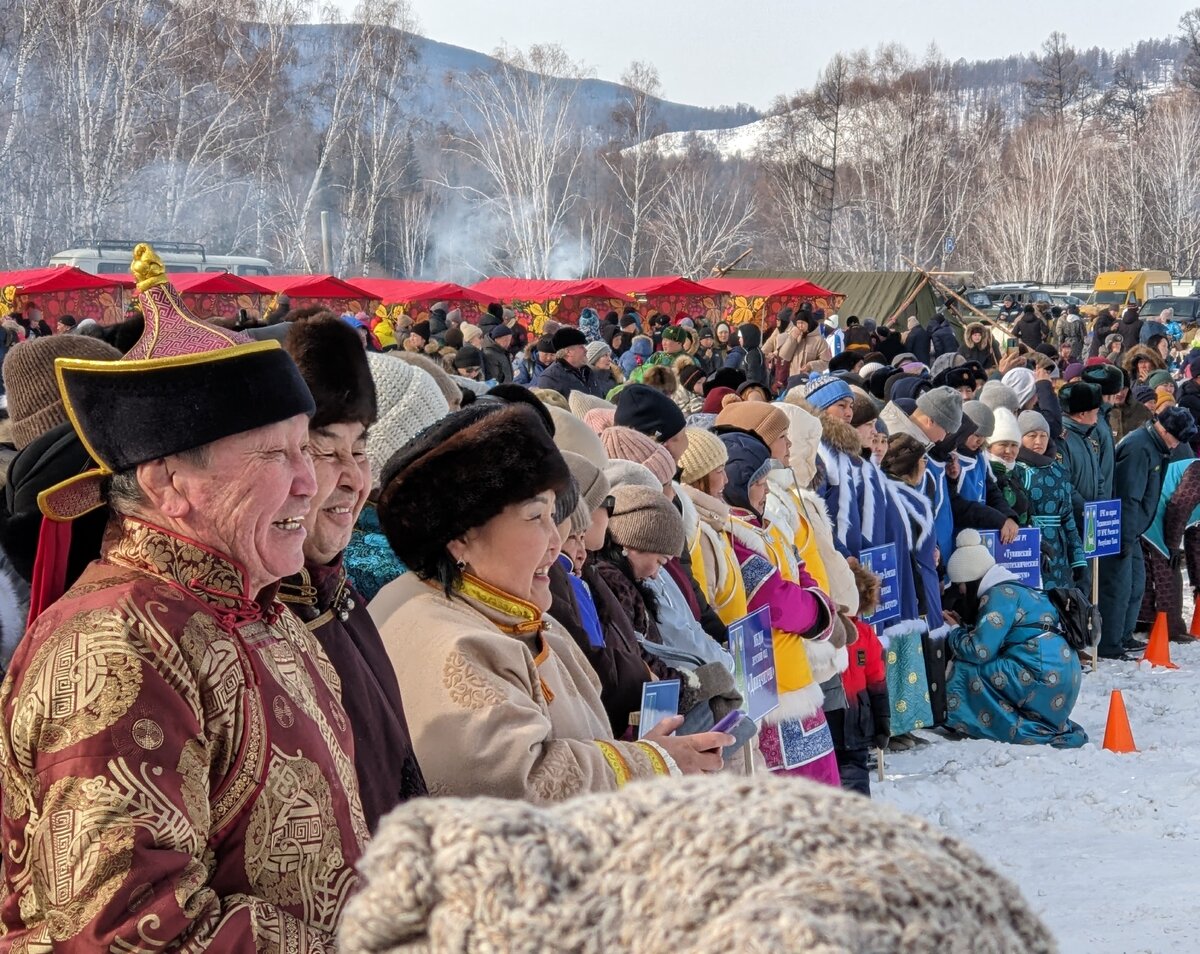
[1014,678]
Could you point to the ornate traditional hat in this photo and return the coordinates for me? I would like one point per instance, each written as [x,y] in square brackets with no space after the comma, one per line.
[184,384]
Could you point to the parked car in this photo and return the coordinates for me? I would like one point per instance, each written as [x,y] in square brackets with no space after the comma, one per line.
[1186,309]
[990,298]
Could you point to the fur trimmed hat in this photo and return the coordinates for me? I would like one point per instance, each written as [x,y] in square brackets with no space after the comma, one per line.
[334,365]
[492,456]
[1079,397]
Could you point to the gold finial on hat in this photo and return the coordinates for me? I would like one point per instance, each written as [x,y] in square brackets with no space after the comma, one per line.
[147,267]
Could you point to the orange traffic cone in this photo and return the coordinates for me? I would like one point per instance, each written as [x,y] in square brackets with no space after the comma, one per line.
[1194,629]
[1158,650]
[1118,737]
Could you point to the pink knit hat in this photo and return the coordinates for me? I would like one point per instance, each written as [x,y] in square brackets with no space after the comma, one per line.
[599,419]
[624,443]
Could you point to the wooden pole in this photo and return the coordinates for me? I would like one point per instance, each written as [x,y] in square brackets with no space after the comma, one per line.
[909,300]
[720,272]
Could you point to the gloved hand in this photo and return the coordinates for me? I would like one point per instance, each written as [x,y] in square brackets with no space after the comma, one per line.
[880,740]
[1176,560]
[1082,575]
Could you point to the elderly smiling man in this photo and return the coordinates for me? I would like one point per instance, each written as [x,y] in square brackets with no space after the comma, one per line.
[178,770]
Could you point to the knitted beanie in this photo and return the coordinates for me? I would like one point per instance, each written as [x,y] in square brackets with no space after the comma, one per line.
[763,420]
[865,410]
[982,415]
[628,473]
[645,520]
[826,390]
[471,334]
[943,406]
[597,350]
[995,394]
[580,402]
[34,403]
[1031,422]
[624,443]
[571,434]
[1023,383]
[1006,429]
[591,874]
[593,485]
[1162,398]
[714,400]
[581,517]
[409,401]
[648,410]
[441,377]
[705,453]
[551,398]
[970,560]
[600,419]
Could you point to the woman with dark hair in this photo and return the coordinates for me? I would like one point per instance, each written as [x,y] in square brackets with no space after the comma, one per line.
[502,701]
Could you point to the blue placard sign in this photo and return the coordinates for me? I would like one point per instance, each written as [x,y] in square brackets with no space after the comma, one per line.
[1022,557]
[882,562]
[1102,528]
[754,663]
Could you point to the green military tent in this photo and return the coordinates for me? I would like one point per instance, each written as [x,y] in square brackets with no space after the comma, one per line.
[875,295]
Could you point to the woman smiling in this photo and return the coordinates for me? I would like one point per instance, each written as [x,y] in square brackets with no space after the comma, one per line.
[502,701]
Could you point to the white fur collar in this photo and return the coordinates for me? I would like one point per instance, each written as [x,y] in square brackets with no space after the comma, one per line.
[993,577]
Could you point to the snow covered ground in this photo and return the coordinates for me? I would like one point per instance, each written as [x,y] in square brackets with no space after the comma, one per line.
[1106,847]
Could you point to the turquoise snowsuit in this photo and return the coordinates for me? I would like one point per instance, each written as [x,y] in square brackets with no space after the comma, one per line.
[1014,678]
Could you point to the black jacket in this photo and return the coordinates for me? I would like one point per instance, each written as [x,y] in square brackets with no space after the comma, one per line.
[917,342]
[497,365]
[941,337]
[1141,459]
[1130,330]
[1103,326]
[564,379]
[1030,330]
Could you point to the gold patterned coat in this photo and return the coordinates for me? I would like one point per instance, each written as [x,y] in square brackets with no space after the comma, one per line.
[177,768]
[499,699]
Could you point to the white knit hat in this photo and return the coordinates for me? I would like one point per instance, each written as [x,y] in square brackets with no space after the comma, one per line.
[409,401]
[1006,429]
[580,403]
[624,473]
[1023,383]
[970,559]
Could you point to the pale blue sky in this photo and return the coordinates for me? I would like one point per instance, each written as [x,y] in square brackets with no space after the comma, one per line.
[711,52]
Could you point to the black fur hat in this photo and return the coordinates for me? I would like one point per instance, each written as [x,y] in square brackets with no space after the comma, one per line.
[1080,397]
[458,474]
[332,361]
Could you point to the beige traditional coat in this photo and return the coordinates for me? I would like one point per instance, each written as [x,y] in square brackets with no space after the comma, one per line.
[499,699]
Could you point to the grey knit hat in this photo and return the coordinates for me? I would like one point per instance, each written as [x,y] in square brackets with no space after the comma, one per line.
[597,350]
[593,485]
[590,874]
[944,406]
[983,417]
[645,519]
[1031,422]
[995,394]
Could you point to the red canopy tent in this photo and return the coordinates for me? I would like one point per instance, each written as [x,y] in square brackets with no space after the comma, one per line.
[539,299]
[759,300]
[219,294]
[672,295]
[413,298]
[63,290]
[327,291]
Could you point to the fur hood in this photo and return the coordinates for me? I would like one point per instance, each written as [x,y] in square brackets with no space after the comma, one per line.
[1131,355]
[687,509]
[804,430]
[973,327]
[707,508]
[840,436]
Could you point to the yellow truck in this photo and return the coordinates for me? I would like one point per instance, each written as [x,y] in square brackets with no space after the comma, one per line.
[1122,289]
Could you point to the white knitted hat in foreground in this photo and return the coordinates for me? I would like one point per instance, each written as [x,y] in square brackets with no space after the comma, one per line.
[710,863]
[409,401]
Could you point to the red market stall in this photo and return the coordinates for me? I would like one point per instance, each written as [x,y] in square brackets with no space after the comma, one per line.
[538,300]
[671,295]
[219,294]
[758,300]
[396,296]
[305,291]
[64,290]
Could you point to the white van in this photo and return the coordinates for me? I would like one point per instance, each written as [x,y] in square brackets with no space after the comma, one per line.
[114,257]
